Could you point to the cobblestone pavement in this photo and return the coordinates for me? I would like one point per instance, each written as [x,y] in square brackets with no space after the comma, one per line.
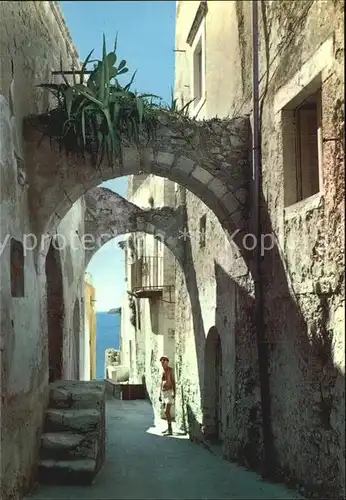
[143,464]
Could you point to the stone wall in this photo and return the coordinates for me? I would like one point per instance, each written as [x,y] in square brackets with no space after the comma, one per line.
[32,39]
[302,274]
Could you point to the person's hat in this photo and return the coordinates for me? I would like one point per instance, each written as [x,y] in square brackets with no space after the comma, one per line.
[164,357]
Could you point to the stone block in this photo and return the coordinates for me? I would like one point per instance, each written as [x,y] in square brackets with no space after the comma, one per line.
[84,399]
[73,472]
[230,202]
[75,395]
[163,158]
[185,165]
[68,446]
[59,398]
[82,421]
[202,175]
[217,187]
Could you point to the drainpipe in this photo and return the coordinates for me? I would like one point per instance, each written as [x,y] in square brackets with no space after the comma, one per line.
[262,346]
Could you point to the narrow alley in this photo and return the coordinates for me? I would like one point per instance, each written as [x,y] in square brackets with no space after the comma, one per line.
[141,463]
[172,247]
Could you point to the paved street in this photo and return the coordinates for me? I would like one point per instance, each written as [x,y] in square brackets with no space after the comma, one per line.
[142,464]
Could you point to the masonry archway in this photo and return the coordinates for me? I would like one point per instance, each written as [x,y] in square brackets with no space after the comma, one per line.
[75,338]
[107,210]
[55,313]
[210,158]
[212,391]
[109,215]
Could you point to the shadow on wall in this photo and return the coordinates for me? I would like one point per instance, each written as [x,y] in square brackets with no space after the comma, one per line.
[306,389]
[144,383]
[154,307]
[242,424]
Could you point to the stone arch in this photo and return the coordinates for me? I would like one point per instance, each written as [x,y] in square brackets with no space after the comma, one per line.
[212,397]
[55,313]
[211,158]
[75,339]
[109,215]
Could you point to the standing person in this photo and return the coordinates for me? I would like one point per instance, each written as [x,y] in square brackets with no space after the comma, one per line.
[167,391]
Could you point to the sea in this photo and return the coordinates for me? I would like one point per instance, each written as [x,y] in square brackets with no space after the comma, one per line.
[107,336]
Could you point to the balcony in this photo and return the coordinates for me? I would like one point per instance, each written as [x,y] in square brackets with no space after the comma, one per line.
[147,277]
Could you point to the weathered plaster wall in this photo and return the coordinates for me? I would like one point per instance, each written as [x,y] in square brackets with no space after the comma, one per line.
[23,349]
[303,274]
[32,39]
[217,292]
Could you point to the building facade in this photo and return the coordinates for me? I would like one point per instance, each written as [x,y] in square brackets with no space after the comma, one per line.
[301,81]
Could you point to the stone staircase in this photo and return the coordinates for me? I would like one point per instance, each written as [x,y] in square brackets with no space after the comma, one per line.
[73,440]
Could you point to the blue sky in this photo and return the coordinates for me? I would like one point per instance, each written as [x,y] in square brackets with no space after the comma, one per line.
[146,41]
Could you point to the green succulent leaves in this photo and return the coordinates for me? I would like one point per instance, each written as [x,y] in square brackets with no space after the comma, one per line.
[95,114]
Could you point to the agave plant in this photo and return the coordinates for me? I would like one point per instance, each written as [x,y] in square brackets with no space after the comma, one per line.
[174,108]
[96,114]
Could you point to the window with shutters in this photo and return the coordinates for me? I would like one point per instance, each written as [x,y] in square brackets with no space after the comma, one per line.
[302,132]
[197,72]
[197,55]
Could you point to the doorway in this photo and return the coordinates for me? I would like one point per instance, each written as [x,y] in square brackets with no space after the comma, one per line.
[55,314]
[76,342]
[212,395]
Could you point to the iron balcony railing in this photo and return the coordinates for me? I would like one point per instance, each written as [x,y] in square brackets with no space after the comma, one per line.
[147,273]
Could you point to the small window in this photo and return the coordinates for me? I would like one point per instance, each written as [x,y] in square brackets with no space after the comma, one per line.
[197,57]
[202,231]
[17,268]
[197,72]
[302,150]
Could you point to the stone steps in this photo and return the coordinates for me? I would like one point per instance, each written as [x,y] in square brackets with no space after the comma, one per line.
[73,440]
[77,472]
[80,421]
[68,446]
[76,395]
